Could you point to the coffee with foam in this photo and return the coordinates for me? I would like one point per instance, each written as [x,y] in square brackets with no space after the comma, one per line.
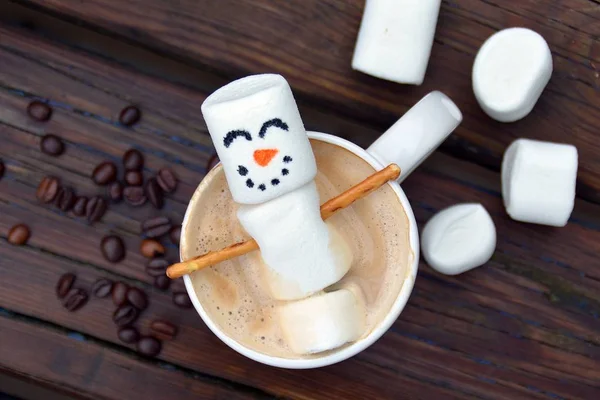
[234,293]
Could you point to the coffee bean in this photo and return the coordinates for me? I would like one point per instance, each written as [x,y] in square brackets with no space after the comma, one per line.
[133,160]
[167,180]
[155,193]
[128,335]
[64,284]
[134,195]
[52,145]
[156,227]
[47,189]
[18,235]
[175,234]
[157,267]
[162,282]
[104,173]
[129,115]
[65,199]
[1,169]
[95,208]
[80,206]
[212,161]
[113,248]
[182,300]
[151,248]
[115,191]
[39,111]
[125,315]
[163,330]
[119,293]
[102,288]
[134,178]
[75,299]
[137,298]
[149,346]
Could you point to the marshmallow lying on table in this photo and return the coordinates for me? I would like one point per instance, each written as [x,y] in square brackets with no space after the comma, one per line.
[538,181]
[458,239]
[395,39]
[511,70]
[324,321]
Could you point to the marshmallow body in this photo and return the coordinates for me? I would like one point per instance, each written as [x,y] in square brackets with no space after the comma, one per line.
[418,133]
[538,181]
[323,321]
[395,39]
[302,254]
[260,138]
[511,70]
[458,238]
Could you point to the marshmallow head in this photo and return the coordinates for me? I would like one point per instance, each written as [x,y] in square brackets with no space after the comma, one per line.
[260,138]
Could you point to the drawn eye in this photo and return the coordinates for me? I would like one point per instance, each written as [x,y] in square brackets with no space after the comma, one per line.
[232,135]
[276,122]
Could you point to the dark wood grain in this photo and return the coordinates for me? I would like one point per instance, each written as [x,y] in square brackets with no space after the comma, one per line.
[311,43]
[524,326]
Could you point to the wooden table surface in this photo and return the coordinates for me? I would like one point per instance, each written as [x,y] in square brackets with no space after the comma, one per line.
[524,326]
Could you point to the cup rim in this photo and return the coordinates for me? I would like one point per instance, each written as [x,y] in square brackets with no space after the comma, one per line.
[376,333]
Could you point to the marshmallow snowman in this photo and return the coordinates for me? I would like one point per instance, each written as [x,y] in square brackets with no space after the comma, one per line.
[270,169]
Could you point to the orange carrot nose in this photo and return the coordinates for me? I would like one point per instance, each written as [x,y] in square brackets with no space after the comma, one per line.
[264,156]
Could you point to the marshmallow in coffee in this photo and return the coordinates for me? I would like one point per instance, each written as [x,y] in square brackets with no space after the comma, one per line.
[270,169]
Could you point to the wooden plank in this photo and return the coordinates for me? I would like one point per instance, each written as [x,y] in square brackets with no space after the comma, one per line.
[311,43]
[69,362]
[524,326]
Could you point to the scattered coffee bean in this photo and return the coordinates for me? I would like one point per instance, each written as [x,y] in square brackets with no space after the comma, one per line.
[133,160]
[162,282]
[175,234]
[134,178]
[156,227]
[182,300]
[167,180]
[102,288]
[134,195]
[47,189]
[75,299]
[128,335]
[129,115]
[155,194]
[18,235]
[52,145]
[1,169]
[95,208]
[113,248]
[64,284]
[39,111]
[212,161]
[151,248]
[163,330]
[65,198]
[137,298]
[80,206]
[157,267]
[125,315]
[115,191]
[104,173]
[149,346]
[119,293]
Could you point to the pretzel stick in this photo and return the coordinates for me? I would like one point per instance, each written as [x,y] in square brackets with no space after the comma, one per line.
[372,183]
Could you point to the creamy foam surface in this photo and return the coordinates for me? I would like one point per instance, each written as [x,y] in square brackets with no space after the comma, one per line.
[234,294]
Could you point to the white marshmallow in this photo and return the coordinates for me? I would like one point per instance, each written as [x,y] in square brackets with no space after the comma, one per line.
[418,133]
[324,321]
[302,254]
[395,39]
[260,138]
[511,70]
[458,238]
[538,181]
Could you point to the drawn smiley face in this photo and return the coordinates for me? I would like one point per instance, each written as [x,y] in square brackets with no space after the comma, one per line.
[267,155]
